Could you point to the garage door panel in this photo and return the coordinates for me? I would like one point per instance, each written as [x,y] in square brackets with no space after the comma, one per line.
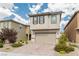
[43,38]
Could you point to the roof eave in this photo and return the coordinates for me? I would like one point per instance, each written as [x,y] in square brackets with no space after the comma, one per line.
[71,19]
[47,13]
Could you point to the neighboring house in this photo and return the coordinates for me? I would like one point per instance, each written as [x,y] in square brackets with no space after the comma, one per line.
[72,28]
[44,27]
[28,32]
[19,27]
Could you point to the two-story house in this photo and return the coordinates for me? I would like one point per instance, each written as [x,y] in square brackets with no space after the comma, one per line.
[21,29]
[44,27]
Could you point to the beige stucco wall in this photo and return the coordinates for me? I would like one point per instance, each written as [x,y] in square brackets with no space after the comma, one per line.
[47,27]
[28,29]
[77,30]
[47,24]
[71,30]
[21,32]
[6,24]
[14,25]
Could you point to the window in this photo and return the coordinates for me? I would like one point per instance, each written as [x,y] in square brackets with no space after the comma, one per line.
[53,19]
[41,20]
[35,20]
[20,27]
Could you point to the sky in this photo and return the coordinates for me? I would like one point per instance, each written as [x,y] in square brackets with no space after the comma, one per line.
[20,11]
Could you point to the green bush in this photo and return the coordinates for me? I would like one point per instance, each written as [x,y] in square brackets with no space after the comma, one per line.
[21,41]
[69,49]
[17,44]
[63,39]
[1,45]
[24,41]
[1,41]
[62,45]
[65,48]
[62,52]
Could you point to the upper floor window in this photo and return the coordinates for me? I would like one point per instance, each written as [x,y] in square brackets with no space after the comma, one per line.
[53,19]
[41,20]
[35,20]
[38,19]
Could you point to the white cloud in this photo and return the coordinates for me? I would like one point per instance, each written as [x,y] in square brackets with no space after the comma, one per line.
[4,13]
[68,8]
[46,10]
[6,10]
[6,5]
[19,19]
[64,23]
[33,6]
[35,9]
[16,7]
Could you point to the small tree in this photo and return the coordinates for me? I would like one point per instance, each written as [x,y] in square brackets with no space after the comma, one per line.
[62,44]
[8,34]
[63,39]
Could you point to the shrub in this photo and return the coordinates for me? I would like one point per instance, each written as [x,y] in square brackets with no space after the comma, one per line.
[17,44]
[8,34]
[24,41]
[63,39]
[1,41]
[62,52]
[69,49]
[62,45]
[1,45]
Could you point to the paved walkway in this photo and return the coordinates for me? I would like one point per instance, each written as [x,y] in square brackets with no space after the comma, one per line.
[36,49]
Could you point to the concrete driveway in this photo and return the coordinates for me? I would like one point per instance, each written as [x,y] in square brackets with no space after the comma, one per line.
[36,49]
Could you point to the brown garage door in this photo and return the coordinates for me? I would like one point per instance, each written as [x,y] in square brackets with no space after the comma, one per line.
[45,38]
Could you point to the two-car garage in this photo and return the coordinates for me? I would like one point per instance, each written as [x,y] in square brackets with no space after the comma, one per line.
[45,37]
